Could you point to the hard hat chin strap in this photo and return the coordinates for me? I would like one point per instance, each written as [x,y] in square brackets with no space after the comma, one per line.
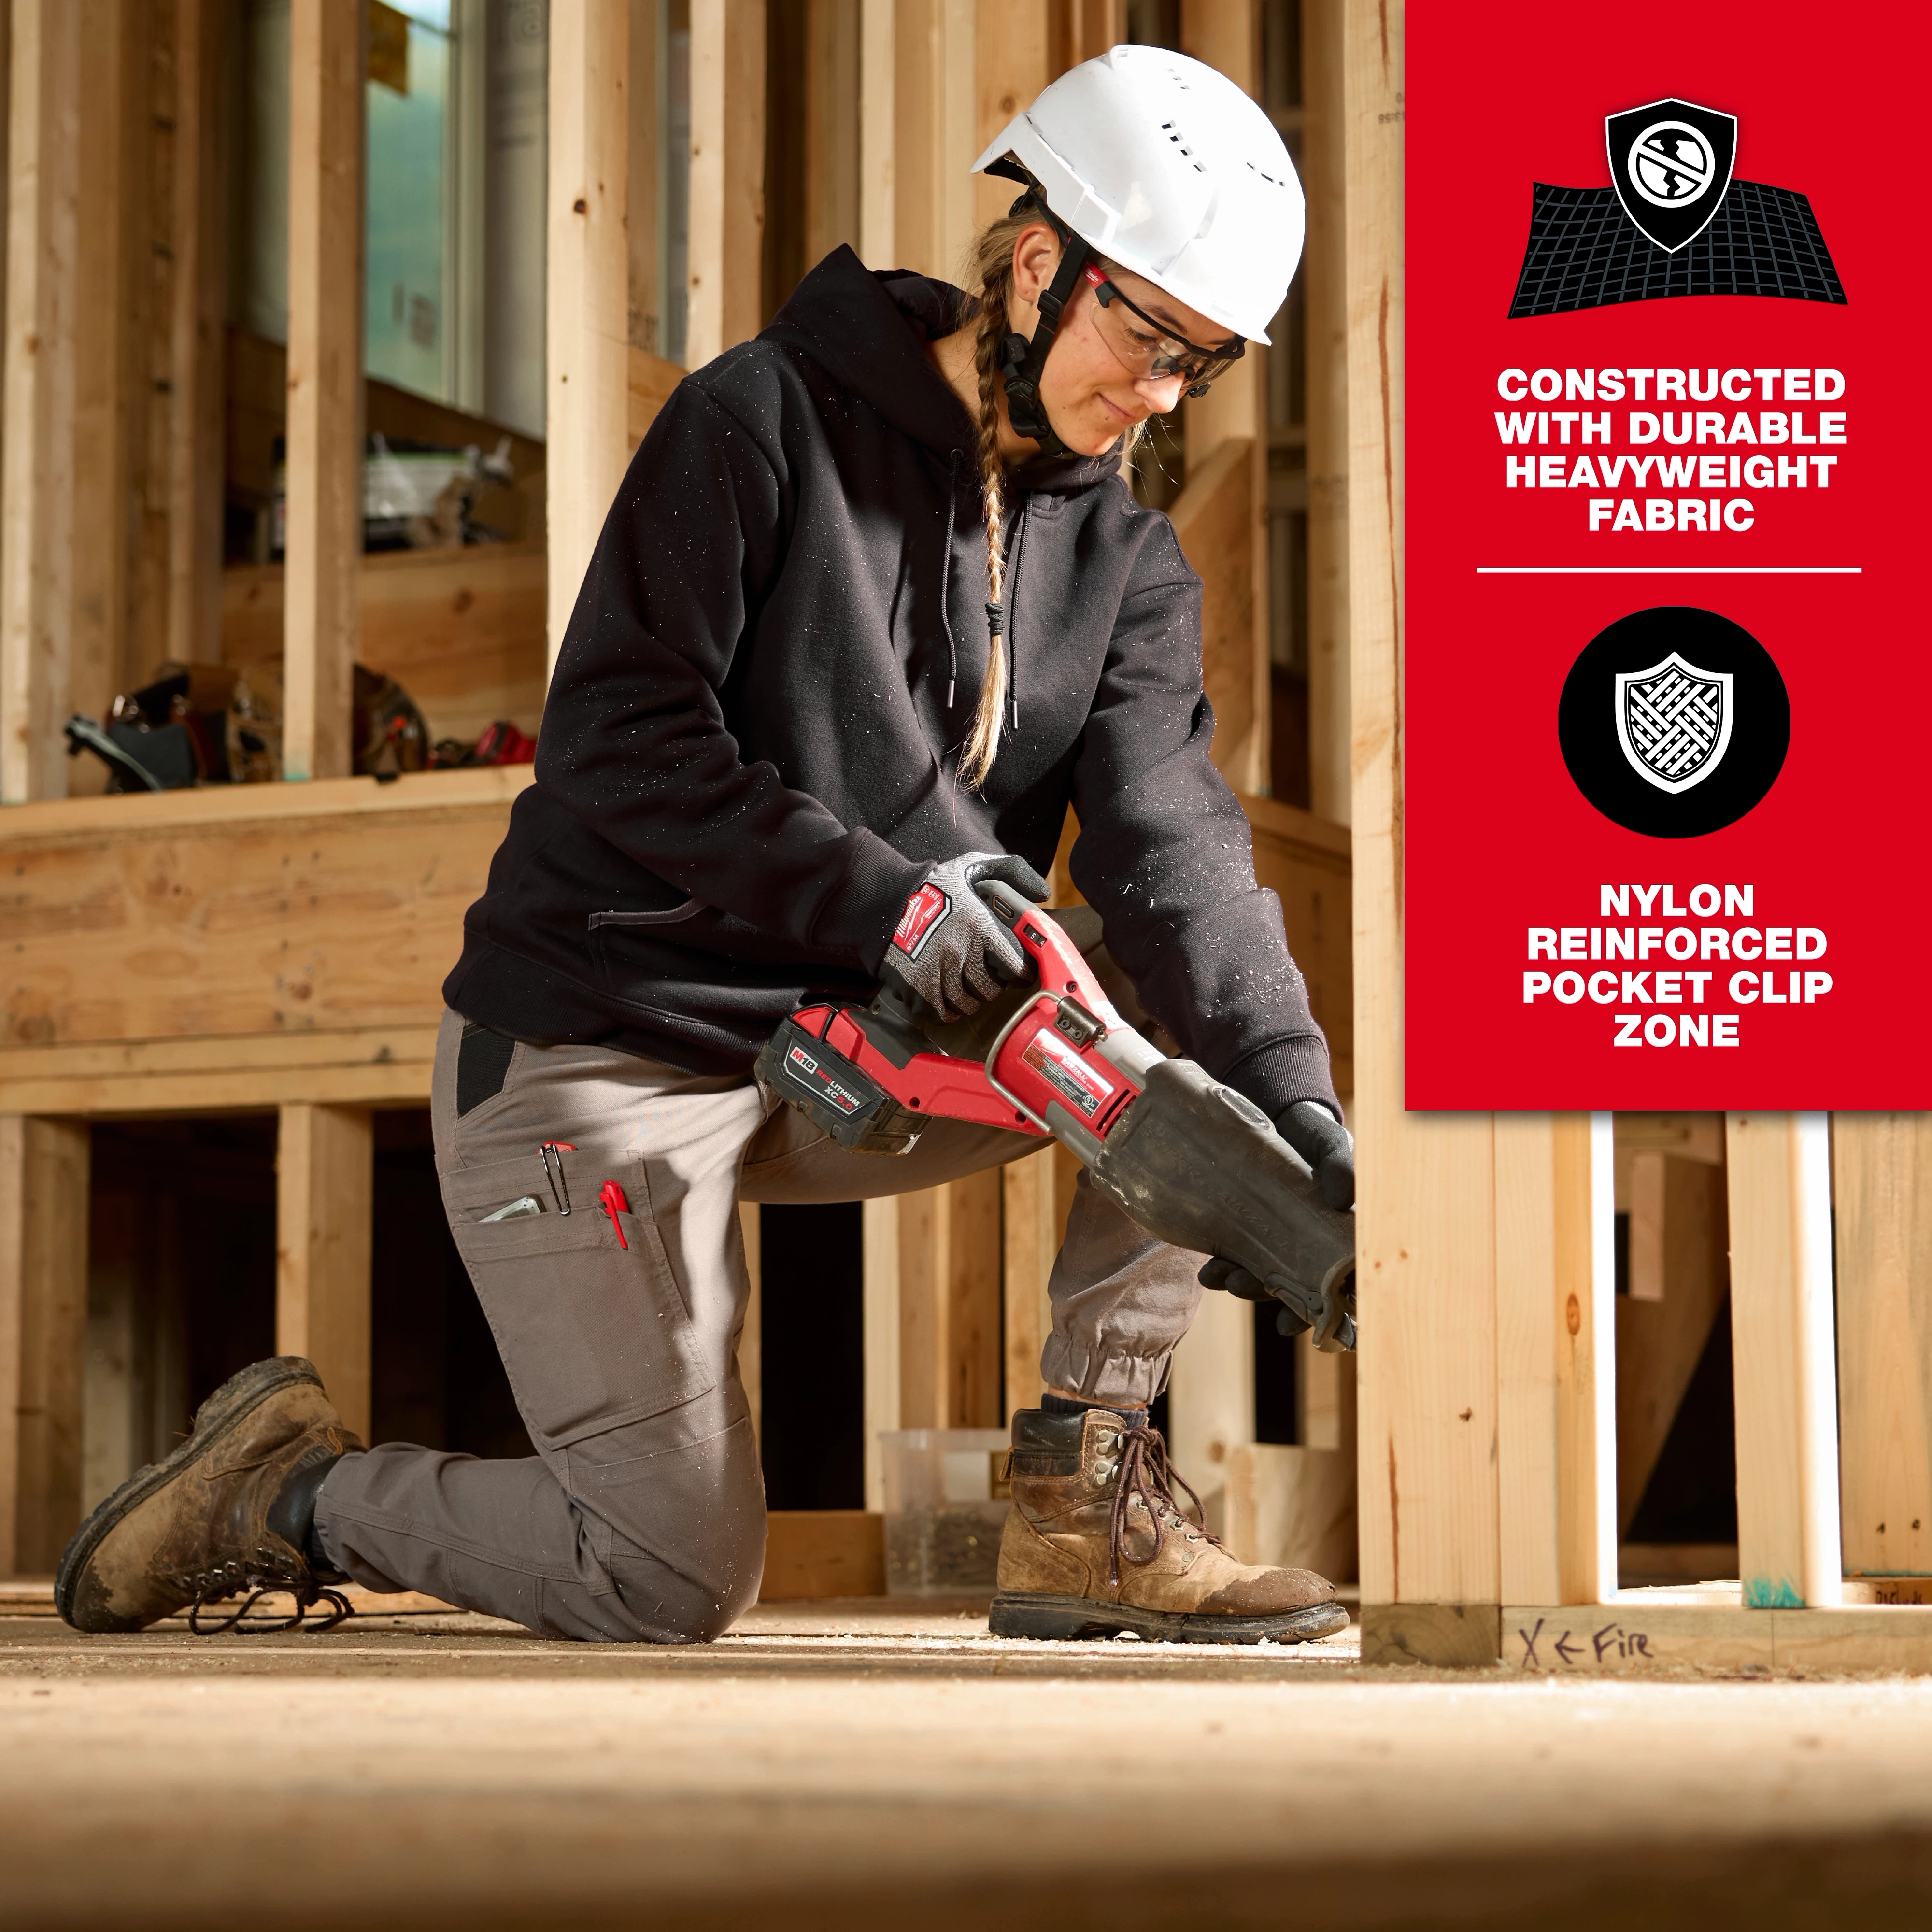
[1023,362]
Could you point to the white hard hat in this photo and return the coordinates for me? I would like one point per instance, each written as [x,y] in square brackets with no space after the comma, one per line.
[1166,167]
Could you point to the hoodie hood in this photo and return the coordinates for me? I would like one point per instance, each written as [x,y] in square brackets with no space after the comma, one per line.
[869,330]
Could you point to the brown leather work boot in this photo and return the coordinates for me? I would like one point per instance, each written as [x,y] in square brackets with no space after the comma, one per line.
[1095,1544]
[228,1511]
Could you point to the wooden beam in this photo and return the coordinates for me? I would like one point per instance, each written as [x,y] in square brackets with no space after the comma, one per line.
[324,543]
[1033,1228]
[1661,1336]
[588,315]
[324,1200]
[727,176]
[1214,519]
[1012,56]
[1882,1167]
[973,1361]
[934,117]
[1082,30]
[195,446]
[925,1308]
[881,1319]
[1668,1632]
[37,468]
[44,1212]
[1426,1211]
[1227,34]
[1325,310]
[1210,1399]
[118,272]
[832,127]
[878,133]
[345,914]
[1556,1357]
[1292,1505]
[1784,1358]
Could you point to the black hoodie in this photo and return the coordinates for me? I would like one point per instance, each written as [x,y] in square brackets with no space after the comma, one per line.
[749,753]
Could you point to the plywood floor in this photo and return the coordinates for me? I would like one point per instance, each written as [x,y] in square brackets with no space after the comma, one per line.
[861,1764]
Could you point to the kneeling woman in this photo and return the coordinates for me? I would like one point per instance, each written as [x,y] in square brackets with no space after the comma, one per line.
[873,607]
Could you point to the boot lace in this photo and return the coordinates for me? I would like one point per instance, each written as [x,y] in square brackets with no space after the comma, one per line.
[243,1620]
[1146,1474]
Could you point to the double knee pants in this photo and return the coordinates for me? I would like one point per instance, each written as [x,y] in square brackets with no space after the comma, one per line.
[641,1517]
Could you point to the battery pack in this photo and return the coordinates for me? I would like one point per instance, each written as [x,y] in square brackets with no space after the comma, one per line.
[835,1095]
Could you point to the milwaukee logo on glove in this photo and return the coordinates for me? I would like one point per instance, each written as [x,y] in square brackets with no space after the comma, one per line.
[924,912]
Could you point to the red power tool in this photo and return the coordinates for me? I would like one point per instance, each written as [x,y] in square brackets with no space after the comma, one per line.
[1192,1161]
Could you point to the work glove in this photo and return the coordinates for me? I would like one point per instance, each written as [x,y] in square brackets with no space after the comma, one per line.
[1323,1143]
[950,948]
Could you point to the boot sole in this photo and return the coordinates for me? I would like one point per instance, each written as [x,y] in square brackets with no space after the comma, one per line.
[1019,1613]
[214,1420]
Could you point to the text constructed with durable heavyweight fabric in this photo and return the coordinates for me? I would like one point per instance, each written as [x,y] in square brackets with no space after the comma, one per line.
[1666,678]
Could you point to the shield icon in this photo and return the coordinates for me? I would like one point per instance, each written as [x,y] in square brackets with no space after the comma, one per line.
[1670,163]
[1674,722]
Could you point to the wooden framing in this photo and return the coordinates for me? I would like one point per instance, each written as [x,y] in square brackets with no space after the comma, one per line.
[1783,1347]
[325,1182]
[44,1197]
[1882,1166]
[727,175]
[37,473]
[322,629]
[1325,304]
[588,312]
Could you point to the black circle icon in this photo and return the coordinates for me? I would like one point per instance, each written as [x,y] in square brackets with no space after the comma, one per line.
[1674,722]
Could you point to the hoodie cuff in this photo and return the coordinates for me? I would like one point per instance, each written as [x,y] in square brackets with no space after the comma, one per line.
[860,913]
[1277,1075]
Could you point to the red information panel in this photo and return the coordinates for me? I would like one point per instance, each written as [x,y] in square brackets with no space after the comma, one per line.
[1666,727]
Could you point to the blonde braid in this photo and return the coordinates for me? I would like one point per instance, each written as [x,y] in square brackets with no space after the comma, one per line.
[982,741]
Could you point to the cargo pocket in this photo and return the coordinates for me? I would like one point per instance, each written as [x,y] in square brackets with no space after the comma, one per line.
[593,1333]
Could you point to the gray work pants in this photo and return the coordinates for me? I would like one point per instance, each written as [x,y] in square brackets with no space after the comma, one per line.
[641,1517]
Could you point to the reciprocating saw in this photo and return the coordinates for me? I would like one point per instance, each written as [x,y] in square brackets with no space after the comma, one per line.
[1192,1162]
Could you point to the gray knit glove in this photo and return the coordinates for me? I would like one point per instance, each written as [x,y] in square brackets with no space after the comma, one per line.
[950,948]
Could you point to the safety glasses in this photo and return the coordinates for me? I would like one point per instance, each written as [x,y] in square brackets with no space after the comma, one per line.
[1146,348]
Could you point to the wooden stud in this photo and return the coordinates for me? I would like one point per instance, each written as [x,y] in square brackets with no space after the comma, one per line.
[1644,1243]
[1083,30]
[43,1212]
[974,1268]
[1661,1335]
[195,453]
[878,130]
[1034,1229]
[1425,1214]
[1012,60]
[752,1337]
[935,117]
[325,1198]
[1555,1298]
[1325,310]
[1229,425]
[1784,1358]
[1883,1168]
[1214,519]
[324,545]
[1210,1399]
[727,176]
[1294,1506]
[587,319]
[832,128]
[117,274]
[37,468]
[881,1319]
[926,1246]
